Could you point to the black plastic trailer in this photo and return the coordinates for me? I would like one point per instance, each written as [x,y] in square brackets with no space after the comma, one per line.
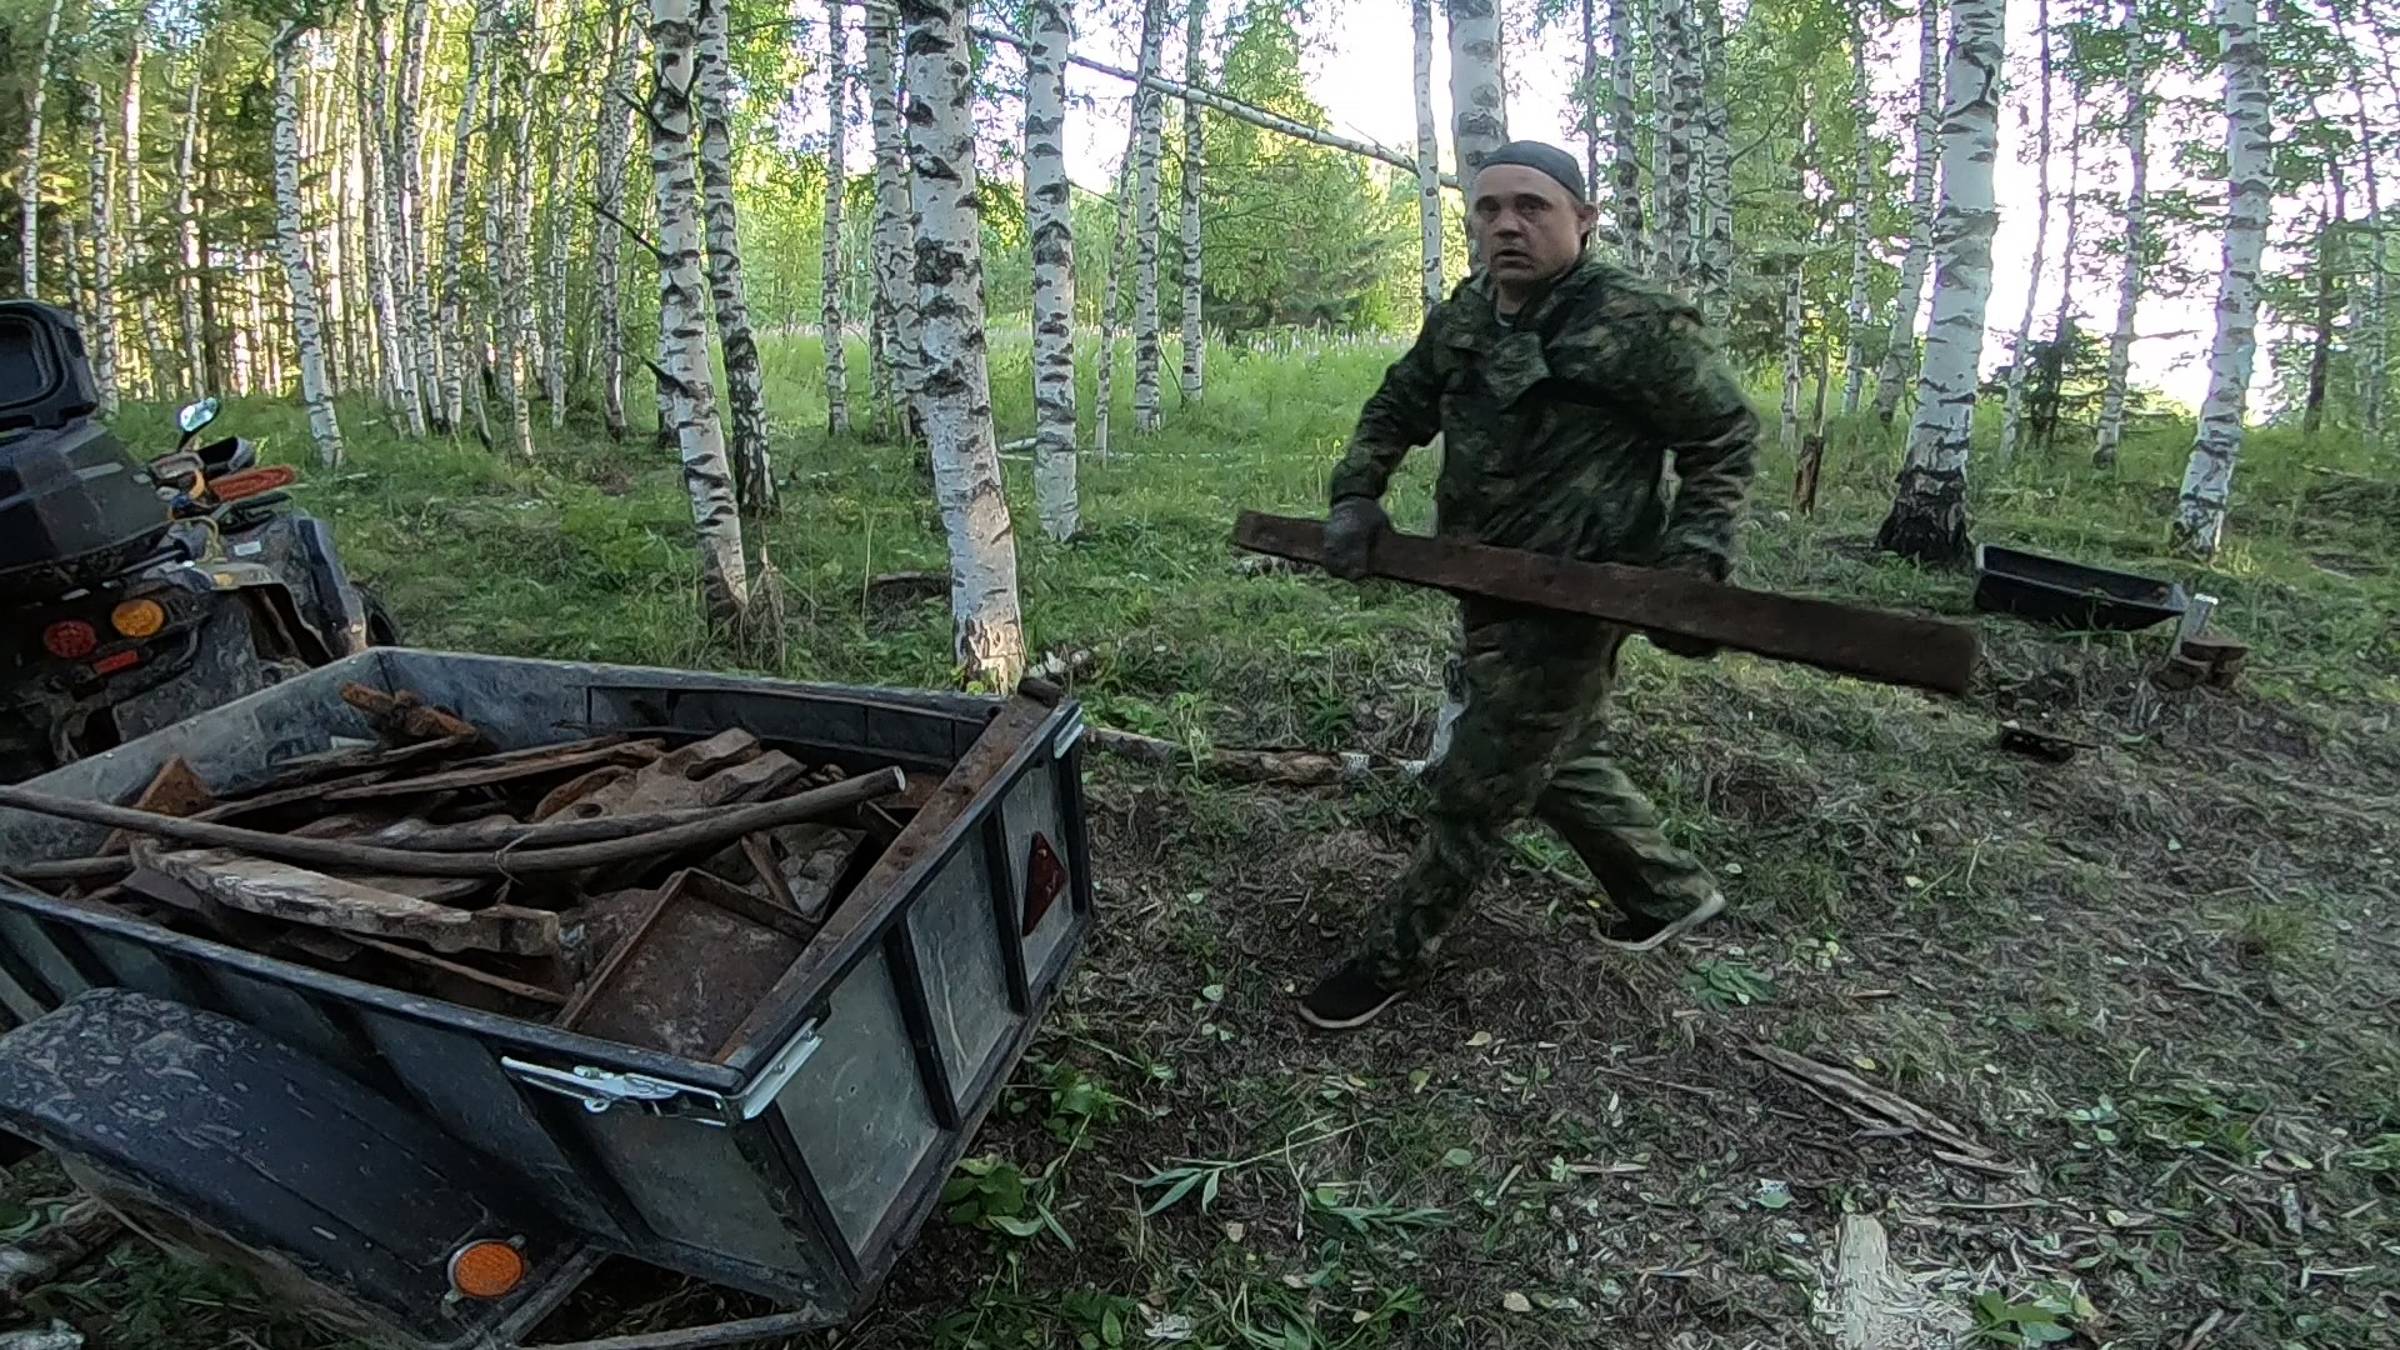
[370,1153]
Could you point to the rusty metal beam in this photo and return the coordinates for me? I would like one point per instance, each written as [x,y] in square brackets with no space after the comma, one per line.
[1871,644]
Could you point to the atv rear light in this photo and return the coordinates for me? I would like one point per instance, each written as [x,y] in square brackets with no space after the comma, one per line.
[70,639]
[487,1268]
[138,618]
[116,661]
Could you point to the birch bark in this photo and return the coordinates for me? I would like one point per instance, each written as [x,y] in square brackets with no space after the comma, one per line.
[1900,343]
[2012,414]
[753,468]
[2137,238]
[1148,115]
[324,429]
[1052,225]
[29,174]
[895,235]
[837,183]
[1195,157]
[1428,159]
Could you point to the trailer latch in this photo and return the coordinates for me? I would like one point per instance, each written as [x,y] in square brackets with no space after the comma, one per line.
[605,1089]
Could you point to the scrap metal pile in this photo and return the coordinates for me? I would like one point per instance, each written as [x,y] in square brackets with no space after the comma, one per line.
[647,891]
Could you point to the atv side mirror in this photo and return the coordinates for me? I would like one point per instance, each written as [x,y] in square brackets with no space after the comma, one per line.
[196,415]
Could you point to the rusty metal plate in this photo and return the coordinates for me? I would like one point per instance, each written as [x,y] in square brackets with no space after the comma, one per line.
[694,967]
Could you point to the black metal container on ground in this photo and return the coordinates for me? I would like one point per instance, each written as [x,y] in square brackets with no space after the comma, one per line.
[797,1165]
[2071,594]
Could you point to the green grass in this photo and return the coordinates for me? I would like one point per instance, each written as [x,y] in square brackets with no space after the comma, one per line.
[2156,982]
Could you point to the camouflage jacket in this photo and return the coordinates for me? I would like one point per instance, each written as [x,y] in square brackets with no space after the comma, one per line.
[1558,425]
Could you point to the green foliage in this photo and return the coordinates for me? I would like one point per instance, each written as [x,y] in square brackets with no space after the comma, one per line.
[2045,1317]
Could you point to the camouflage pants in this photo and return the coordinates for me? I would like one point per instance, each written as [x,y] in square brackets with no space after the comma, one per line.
[1529,740]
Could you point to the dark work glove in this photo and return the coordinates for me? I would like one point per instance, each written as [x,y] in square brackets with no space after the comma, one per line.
[1350,535]
[1707,567]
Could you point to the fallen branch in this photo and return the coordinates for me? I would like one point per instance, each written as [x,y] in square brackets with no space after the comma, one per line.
[1871,1105]
[1282,768]
[81,1231]
[723,827]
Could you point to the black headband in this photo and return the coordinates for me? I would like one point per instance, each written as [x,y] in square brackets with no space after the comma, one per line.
[1541,158]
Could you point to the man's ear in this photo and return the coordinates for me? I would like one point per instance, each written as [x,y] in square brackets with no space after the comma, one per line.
[1586,216]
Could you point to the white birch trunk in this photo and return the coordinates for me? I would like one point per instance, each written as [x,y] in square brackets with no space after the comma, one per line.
[1195,157]
[1928,520]
[753,468]
[399,210]
[187,231]
[837,183]
[2137,237]
[1149,113]
[101,319]
[1626,170]
[1862,176]
[2012,414]
[1050,220]
[1478,95]
[462,361]
[525,335]
[1111,291]
[1715,223]
[895,235]
[29,176]
[1428,159]
[388,260]
[1900,344]
[683,358]
[414,300]
[366,91]
[560,168]
[608,237]
[2374,346]
[1795,358]
[1679,73]
[136,324]
[2208,478]
[323,428]
[990,646]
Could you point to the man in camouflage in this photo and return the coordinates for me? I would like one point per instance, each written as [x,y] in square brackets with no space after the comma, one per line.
[1562,387]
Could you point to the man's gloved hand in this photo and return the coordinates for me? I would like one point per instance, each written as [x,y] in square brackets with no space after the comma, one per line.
[1350,535]
[1707,567]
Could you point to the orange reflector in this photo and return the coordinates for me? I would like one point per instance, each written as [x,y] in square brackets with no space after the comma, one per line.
[116,661]
[138,618]
[487,1269]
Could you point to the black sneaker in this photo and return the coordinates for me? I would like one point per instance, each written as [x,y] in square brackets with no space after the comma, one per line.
[1641,932]
[1348,998]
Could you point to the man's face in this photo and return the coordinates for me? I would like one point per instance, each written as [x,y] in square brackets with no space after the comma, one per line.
[1528,226]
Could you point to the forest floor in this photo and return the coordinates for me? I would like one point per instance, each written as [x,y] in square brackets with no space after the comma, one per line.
[2156,984]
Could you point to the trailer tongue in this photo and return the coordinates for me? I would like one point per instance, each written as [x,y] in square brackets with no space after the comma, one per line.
[734,1089]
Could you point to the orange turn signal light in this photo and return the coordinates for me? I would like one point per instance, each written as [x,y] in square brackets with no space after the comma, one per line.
[487,1268]
[138,618]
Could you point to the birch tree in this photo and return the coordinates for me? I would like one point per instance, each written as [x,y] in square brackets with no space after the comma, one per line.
[138,323]
[415,301]
[1626,168]
[1111,292]
[29,173]
[559,169]
[1478,93]
[608,192]
[388,203]
[684,376]
[2111,433]
[1678,73]
[1195,159]
[456,363]
[1148,115]
[837,183]
[1862,175]
[895,240]
[1928,519]
[1900,342]
[990,639]
[2199,524]
[525,342]
[315,390]
[2376,319]
[1794,356]
[1050,220]
[753,470]
[101,318]
[2013,410]
[1428,158]
[190,284]
[1714,227]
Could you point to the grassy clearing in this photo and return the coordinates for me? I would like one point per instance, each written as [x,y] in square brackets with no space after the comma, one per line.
[2156,982]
